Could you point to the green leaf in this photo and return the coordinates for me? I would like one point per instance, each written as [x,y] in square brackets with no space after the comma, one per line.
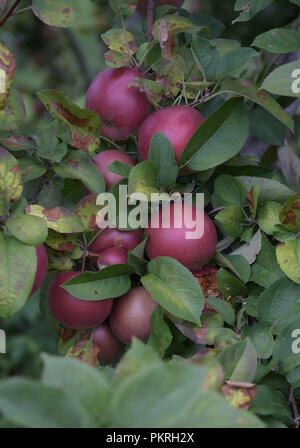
[78,165]
[239,361]
[28,403]
[61,13]
[135,258]
[288,257]
[286,349]
[238,264]
[275,300]
[234,63]
[269,402]
[121,41]
[220,137]
[48,145]
[250,91]
[28,229]
[222,307]
[30,170]
[287,316]
[266,270]
[249,9]
[278,40]
[284,80]
[224,46]
[177,24]
[142,179]
[230,190]
[261,337]
[87,210]
[266,128]
[269,189]
[230,286]
[10,180]
[17,267]
[13,117]
[251,249]
[112,281]
[268,217]
[85,384]
[160,337]
[158,398]
[162,155]
[175,288]
[83,125]
[7,68]
[120,168]
[206,56]
[231,219]
[58,218]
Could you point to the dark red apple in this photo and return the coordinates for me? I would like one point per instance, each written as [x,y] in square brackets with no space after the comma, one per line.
[72,312]
[124,107]
[41,268]
[142,4]
[110,347]
[104,159]
[178,123]
[112,255]
[173,242]
[116,238]
[131,315]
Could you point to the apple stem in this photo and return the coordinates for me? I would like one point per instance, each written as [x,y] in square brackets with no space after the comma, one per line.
[150,18]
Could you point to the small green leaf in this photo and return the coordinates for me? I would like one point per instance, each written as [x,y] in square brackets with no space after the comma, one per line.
[61,13]
[269,189]
[234,63]
[222,307]
[142,179]
[266,270]
[28,229]
[284,80]
[231,219]
[268,217]
[239,361]
[230,190]
[261,337]
[162,155]
[58,218]
[177,24]
[121,41]
[278,40]
[247,9]
[160,337]
[10,180]
[30,170]
[230,286]
[288,257]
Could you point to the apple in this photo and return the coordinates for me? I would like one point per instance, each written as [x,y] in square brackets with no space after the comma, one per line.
[122,107]
[103,159]
[178,123]
[112,255]
[142,5]
[41,268]
[173,241]
[109,237]
[110,347]
[131,315]
[72,312]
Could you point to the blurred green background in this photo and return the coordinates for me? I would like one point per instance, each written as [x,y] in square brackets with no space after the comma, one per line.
[67,60]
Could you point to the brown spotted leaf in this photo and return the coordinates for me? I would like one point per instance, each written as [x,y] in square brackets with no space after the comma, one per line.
[83,125]
[177,24]
[61,13]
[240,395]
[13,116]
[61,241]
[78,344]
[166,39]
[87,210]
[290,213]
[288,258]
[60,219]
[153,90]
[59,263]
[115,60]
[10,180]
[7,68]
[121,41]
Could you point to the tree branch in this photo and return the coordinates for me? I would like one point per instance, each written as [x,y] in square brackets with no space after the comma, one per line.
[9,12]
[150,18]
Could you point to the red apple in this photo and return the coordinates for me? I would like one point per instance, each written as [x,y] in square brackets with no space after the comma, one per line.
[112,255]
[131,315]
[41,268]
[110,347]
[142,4]
[173,241]
[126,239]
[124,107]
[178,123]
[104,159]
[72,312]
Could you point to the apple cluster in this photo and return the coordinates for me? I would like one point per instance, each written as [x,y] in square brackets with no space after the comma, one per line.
[125,111]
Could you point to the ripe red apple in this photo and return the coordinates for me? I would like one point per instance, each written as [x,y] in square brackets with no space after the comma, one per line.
[104,159]
[72,312]
[142,4]
[173,241]
[124,107]
[112,255]
[178,123]
[41,268]
[110,347]
[131,315]
[126,239]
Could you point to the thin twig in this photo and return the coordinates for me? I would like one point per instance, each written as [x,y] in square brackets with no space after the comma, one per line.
[293,403]
[150,18]
[42,181]
[9,12]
